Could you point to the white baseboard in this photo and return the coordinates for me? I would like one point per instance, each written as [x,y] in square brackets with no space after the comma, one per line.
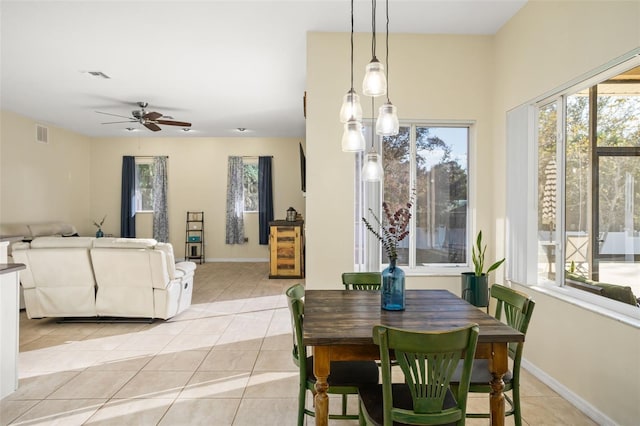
[589,410]
[238,259]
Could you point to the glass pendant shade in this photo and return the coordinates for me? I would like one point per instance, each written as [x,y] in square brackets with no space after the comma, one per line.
[372,170]
[352,138]
[351,107]
[387,123]
[375,82]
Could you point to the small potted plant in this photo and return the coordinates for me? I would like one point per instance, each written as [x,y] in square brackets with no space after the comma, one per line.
[99,233]
[475,285]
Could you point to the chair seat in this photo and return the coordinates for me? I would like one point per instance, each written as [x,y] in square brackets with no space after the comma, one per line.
[371,401]
[348,373]
[480,374]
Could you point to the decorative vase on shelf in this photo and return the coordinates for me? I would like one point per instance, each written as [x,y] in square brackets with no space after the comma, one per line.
[392,290]
[99,233]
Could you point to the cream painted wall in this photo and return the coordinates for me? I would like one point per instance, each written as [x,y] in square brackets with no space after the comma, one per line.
[43,182]
[547,44]
[197,169]
[431,77]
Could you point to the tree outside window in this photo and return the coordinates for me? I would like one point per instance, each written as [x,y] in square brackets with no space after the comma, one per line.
[433,161]
[144,186]
[250,185]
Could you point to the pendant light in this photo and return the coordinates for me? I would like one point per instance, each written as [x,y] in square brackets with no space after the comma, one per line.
[372,169]
[387,124]
[351,113]
[351,102]
[375,82]
[352,137]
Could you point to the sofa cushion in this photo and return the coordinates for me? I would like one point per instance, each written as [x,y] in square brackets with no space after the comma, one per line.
[133,243]
[58,242]
[8,230]
[617,292]
[51,228]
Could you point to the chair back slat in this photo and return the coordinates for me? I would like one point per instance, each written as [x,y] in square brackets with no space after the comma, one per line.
[362,280]
[428,361]
[517,308]
[296,307]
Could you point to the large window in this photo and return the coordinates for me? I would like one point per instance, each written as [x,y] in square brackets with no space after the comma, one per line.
[144,185]
[432,161]
[588,192]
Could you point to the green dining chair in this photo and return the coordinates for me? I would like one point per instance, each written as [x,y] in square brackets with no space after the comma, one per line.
[428,360]
[517,308]
[345,376]
[362,280]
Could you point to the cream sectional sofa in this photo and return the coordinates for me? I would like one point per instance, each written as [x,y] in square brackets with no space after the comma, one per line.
[29,231]
[103,277]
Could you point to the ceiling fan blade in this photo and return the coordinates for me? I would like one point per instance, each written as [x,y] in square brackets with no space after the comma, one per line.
[115,115]
[114,122]
[153,116]
[152,126]
[174,123]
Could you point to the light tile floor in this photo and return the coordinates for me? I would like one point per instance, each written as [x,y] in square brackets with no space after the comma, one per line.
[224,361]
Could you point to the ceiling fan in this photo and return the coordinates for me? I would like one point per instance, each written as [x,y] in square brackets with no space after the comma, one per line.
[150,120]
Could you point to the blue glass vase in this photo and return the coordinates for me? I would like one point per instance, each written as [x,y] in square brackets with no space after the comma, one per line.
[392,291]
[99,233]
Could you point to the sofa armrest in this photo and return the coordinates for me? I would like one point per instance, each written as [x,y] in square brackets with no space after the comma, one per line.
[186,267]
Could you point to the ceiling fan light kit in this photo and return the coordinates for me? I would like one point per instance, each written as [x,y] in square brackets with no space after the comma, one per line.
[150,120]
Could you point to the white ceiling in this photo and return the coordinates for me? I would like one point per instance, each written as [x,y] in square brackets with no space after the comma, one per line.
[218,64]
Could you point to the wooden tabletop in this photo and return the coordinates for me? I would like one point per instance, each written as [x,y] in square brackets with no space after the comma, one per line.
[346,317]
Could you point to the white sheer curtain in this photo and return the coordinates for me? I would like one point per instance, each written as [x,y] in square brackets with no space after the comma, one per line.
[160,205]
[522,239]
[235,202]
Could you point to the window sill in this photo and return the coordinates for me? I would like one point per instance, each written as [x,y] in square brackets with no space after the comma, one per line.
[435,271]
[626,314]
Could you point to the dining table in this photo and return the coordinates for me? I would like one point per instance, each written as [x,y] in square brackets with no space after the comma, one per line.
[338,326]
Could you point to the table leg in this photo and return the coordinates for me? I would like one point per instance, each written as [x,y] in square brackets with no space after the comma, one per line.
[498,365]
[321,369]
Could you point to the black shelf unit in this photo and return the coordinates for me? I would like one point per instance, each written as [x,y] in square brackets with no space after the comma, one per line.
[194,239]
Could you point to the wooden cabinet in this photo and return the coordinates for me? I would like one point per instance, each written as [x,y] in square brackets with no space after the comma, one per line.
[286,249]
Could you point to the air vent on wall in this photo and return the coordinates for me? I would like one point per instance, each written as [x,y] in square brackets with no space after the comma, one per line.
[42,134]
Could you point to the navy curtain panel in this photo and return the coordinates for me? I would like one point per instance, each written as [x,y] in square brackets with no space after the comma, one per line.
[128,203]
[265,198]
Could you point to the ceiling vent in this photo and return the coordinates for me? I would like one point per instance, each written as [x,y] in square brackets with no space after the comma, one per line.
[42,134]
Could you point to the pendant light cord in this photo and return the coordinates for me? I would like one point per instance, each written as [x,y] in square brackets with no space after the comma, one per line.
[352,45]
[373,124]
[387,45]
[373,28]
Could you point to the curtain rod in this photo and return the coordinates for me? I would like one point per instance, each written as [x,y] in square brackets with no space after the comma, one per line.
[150,156]
[251,156]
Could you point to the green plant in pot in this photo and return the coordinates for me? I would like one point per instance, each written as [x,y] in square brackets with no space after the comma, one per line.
[475,285]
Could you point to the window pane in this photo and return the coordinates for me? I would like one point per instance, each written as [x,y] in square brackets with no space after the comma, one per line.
[547,181]
[619,221]
[619,110]
[577,185]
[144,187]
[442,194]
[250,186]
[396,160]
